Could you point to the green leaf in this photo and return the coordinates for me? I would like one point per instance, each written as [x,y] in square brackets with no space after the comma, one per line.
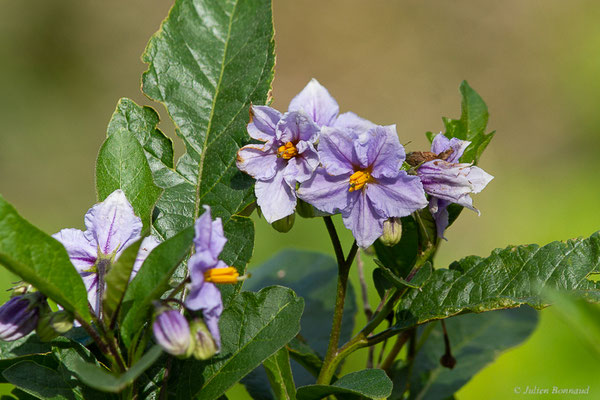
[476,341]
[370,383]
[99,378]
[152,281]
[507,278]
[401,257]
[253,327]
[122,165]
[41,261]
[38,381]
[304,355]
[299,270]
[117,280]
[421,276]
[26,346]
[471,125]
[207,64]
[279,372]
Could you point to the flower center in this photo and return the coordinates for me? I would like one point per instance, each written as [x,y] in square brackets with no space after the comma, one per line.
[359,179]
[222,275]
[287,151]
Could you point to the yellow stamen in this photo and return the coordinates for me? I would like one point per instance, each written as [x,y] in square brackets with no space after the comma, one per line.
[287,151]
[222,275]
[359,179]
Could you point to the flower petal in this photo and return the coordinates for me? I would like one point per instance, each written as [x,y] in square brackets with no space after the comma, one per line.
[275,198]
[441,143]
[258,161]
[336,151]
[439,210]
[81,250]
[113,224]
[316,101]
[397,197]
[209,235]
[380,149]
[148,244]
[327,193]
[264,123]
[364,221]
[478,178]
[447,181]
[352,124]
[207,298]
[295,126]
[301,167]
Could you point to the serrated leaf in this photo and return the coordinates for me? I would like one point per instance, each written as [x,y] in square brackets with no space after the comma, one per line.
[508,278]
[41,261]
[207,64]
[117,280]
[471,125]
[401,257]
[152,281]
[38,381]
[369,383]
[122,165]
[280,376]
[101,379]
[476,341]
[253,327]
[300,271]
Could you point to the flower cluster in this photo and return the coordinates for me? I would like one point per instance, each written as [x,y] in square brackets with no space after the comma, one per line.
[348,165]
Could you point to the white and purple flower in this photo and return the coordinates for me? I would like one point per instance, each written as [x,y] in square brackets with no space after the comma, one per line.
[19,316]
[111,227]
[172,332]
[361,178]
[448,181]
[206,269]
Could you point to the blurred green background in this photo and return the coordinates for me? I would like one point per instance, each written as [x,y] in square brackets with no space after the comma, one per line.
[65,63]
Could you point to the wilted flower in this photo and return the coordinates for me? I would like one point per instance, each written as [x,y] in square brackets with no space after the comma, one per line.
[448,181]
[111,227]
[206,270]
[19,316]
[172,332]
[287,157]
[361,178]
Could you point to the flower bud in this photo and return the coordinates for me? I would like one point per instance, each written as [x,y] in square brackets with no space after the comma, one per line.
[19,316]
[172,333]
[54,324]
[284,225]
[204,344]
[392,232]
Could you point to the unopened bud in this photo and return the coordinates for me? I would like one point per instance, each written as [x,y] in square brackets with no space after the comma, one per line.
[204,344]
[53,324]
[19,316]
[392,232]
[284,224]
[172,332]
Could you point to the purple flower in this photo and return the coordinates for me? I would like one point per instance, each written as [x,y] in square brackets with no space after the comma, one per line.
[206,269]
[19,316]
[111,227]
[448,181]
[172,332]
[287,157]
[361,178]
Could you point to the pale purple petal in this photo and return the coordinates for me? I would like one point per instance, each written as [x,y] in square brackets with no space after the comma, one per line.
[275,198]
[326,192]
[81,250]
[258,161]
[380,150]
[397,197]
[301,167]
[264,123]
[207,298]
[113,224]
[90,280]
[316,101]
[478,178]
[353,124]
[445,180]
[336,152]
[209,234]
[439,210]
[364,221]
[172,332]
[297,126]
[148,244]
[441,143]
